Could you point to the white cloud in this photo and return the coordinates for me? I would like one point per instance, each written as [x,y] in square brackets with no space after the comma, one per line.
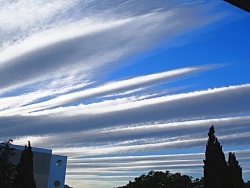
[118,86]
[70,49]
[173,108]
[54,57]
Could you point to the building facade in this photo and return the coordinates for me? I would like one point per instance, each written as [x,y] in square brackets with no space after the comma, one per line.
[49,169]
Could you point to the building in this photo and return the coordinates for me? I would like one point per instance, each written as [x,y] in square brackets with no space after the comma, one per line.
[49,169]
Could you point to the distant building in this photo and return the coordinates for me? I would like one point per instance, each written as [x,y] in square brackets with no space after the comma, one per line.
[49,169]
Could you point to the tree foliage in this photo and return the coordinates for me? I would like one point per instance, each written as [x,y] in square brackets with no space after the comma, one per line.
[7,169]
[218,172]
[247,184]
[25,177]
[166,179]
[215,166]
[234,172]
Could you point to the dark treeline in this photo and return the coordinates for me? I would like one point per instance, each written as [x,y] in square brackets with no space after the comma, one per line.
[218,173]
[165,180]
[16,176]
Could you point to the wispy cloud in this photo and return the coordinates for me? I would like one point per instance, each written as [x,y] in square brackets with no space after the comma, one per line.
[127,114]
[70,49]
[125,85]
[56,61]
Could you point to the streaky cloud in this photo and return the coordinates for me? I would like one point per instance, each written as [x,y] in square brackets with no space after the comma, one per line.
[108,88]
[57,87]
[210,103]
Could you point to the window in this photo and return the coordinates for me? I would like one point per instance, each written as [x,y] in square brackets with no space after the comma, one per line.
[57,183]
[59,163]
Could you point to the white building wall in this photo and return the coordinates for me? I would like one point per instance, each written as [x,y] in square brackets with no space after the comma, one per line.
[41,164]
[57,171]
[49,169]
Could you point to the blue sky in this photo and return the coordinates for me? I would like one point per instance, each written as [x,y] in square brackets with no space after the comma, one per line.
[125,87]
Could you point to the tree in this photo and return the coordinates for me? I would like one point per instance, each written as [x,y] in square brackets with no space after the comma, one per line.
[25,177]
[160,179]
[247,184]
[234,172]
[198,183]
[217,172]
[7,169]
[215,166]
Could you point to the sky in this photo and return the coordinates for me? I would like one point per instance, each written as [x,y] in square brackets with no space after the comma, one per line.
[125,87]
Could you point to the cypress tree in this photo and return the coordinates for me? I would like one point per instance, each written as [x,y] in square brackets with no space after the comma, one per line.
[215,166]
[25,177]
[234,172]
[7,169]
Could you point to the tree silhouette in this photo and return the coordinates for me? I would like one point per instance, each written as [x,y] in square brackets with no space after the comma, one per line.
[247,184]
[215,166]
[160,179]
[25,177]
[217,172]
[7,169]
[234,172]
